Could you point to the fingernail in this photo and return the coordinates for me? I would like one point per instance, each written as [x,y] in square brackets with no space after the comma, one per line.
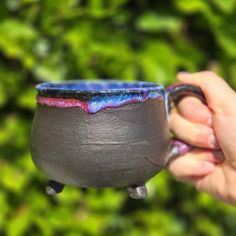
[212,141]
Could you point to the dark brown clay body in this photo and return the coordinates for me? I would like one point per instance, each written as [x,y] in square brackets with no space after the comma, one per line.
[116,147]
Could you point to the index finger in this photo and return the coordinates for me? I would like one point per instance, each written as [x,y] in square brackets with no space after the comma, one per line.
[195,111]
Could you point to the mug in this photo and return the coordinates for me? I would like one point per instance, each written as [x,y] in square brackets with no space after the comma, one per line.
[105,133]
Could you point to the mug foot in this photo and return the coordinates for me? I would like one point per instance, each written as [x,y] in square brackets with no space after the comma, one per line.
[54,187]
[138,191]
[135,192]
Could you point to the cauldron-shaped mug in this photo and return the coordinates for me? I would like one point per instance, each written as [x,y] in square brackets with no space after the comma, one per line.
[104,133]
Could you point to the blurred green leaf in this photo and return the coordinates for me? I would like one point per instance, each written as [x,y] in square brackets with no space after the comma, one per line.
[10,173]
[226,38]
[192,6]
[152,22]
[20,221]
[16,39]
[27,98]
[5,209]
[226,6]
[158,62]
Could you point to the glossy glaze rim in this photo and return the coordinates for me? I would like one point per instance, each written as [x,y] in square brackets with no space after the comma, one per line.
[85,89]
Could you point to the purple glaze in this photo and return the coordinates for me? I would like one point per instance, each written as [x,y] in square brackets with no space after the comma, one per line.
[182,147]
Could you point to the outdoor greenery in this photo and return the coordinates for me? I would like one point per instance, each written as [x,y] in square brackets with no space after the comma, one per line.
[53,40]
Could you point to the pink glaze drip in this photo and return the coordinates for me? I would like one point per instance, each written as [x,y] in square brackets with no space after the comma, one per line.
[62,103]
[98,102]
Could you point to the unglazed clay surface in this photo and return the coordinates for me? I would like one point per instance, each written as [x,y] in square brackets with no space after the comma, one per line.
[116,147]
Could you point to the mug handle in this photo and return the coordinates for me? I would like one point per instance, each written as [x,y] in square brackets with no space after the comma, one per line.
[175,93]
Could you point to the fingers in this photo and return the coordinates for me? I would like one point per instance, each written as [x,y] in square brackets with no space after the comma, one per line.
[220,97]
[195,164]
[192,133]
[195,111]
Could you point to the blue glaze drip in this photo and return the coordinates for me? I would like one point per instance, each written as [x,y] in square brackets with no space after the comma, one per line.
[98,103]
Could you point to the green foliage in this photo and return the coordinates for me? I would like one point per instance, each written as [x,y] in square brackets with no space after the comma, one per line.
[49,40]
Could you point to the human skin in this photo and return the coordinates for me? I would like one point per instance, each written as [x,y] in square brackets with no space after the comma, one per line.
[211,165]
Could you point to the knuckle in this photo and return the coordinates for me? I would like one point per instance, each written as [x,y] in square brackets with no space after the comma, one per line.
[209,74]
[207,78]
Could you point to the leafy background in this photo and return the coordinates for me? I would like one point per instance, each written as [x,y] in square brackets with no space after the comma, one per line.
[53,40]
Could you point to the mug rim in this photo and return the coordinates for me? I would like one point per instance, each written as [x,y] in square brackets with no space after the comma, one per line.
[93,96]
[86,87]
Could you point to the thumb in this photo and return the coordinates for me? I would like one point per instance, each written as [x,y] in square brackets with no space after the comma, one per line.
[220,97]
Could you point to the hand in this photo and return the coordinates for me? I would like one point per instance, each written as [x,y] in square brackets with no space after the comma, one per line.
[211,165]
